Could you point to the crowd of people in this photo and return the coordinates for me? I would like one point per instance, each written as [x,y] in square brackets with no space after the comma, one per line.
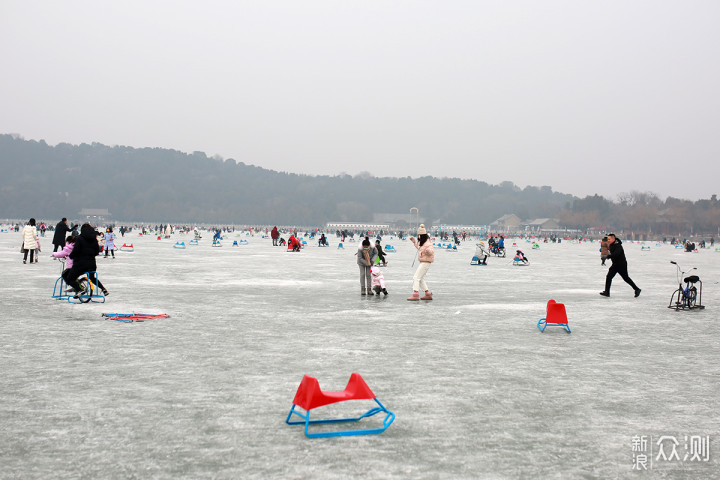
[80,245]
[79,249]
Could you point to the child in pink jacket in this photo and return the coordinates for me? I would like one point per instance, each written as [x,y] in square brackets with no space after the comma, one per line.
[426,255]
[378,280]
[65,252]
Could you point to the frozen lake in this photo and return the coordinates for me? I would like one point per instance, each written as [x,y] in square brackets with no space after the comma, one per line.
[478,391]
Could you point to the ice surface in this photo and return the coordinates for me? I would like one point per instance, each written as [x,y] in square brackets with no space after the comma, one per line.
[478,391]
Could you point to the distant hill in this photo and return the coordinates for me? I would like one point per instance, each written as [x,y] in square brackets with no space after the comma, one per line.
[155,184]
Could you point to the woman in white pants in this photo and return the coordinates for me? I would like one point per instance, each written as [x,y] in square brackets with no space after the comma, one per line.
[426,255]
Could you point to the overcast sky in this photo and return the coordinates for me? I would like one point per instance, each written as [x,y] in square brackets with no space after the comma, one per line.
[585,96]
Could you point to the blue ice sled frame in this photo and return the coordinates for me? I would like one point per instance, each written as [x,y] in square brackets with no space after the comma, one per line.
[59,289]
[89,296]
[542,325]
[343,433]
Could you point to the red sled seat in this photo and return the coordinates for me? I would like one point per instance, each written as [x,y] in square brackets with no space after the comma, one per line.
[309,396]
[554,317]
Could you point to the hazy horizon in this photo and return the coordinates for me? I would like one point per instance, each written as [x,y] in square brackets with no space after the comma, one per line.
[587,98]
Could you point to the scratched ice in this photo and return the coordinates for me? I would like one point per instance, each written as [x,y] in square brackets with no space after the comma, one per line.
[478,391]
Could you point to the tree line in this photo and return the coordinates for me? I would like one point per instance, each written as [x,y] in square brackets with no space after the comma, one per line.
[643,212]
[157,184]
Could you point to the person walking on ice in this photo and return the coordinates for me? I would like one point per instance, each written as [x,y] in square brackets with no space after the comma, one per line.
[616,253]
[426,255]
[109,238]
[30,241]
[61,230]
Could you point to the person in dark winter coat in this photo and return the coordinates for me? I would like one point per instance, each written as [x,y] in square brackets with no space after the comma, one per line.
[619,265]
[380,252]
[61,230]
[83,256]
[322,242]
[274,234]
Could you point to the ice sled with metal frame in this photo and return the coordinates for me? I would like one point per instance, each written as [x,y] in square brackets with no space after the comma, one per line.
[91,290]
[519,261]
[59,292]
[309,396]
[90,281]
[476,261]
[556,316]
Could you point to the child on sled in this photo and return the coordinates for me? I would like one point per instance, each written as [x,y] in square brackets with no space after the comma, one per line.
[378,281]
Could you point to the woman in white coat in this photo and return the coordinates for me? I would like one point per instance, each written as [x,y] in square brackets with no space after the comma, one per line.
[30,240]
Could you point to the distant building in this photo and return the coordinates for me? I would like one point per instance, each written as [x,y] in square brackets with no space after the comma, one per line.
[95,215]
[333,226]
[472,229]
[543,224]
[506,223]
[401,220]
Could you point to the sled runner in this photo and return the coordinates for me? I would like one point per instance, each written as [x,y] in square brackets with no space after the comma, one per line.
[309,396]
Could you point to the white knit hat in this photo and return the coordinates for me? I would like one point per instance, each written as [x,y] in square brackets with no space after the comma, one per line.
[421,229]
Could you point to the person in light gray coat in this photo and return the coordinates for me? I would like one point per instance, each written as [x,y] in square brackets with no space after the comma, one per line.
[366,256]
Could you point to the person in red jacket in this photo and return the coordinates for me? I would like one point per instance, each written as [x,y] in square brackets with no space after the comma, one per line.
[293,243]
[275,235]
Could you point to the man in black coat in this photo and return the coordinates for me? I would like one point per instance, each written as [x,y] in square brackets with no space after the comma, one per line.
[84,252]
[61,230]
[619,265]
